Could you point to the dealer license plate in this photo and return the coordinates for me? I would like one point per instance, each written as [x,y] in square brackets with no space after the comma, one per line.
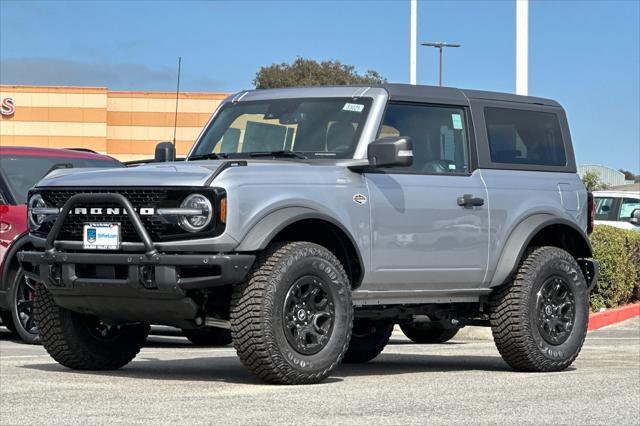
[101,236]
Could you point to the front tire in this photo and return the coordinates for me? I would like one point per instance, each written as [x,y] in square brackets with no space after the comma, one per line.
[428,332]
[539,320]
[208,336]
[368,339]
[83,342]
[291,320]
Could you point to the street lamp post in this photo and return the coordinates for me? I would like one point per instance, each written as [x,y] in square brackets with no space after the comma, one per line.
[439,45]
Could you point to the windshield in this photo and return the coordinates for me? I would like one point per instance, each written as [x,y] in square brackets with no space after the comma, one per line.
[315,128]
[22,172]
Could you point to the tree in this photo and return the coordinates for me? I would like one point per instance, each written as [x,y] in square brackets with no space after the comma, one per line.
[591,180]
[307,72]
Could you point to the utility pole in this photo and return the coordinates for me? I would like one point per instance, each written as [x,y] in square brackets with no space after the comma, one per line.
[522,47]
[439,45]
[413,42]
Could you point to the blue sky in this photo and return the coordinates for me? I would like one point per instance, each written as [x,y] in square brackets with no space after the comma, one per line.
[585,54]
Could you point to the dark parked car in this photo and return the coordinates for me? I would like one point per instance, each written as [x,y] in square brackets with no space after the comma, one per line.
[20,169]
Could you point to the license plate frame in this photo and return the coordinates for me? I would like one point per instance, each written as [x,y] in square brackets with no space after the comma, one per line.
[101,236]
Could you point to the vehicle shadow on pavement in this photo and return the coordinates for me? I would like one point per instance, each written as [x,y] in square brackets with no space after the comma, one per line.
[209,369]
[401,341]
[395,364]
[229,370]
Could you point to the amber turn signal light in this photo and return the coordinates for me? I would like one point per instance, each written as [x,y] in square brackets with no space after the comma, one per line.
[223,210]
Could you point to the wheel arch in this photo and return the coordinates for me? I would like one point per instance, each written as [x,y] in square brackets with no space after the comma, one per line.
[539,230]
[306,224]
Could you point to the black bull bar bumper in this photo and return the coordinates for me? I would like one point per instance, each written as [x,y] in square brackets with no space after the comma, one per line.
[149,286]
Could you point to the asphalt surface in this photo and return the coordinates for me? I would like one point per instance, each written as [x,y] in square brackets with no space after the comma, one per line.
[171,381]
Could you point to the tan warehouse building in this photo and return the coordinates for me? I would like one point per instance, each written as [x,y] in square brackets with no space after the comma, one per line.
[126,125]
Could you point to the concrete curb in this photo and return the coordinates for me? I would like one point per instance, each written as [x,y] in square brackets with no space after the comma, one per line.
[612,316]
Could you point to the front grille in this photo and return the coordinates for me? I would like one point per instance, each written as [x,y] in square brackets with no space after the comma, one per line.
[159,227]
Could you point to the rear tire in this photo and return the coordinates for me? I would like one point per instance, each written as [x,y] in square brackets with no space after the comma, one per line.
[539,320]
[368,339]
[428,332]
[291,320]
[83,342]
[208,336]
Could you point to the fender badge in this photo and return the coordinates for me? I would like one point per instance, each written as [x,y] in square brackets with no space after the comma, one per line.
[359,199]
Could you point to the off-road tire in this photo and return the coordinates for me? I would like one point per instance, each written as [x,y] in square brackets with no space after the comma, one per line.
[208,336]
[66,338]
[428,332]
[257,314]
[514,314]
[7,321]
[368,339]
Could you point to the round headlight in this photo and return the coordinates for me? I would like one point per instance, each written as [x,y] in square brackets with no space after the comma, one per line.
[195,223]
[35,220]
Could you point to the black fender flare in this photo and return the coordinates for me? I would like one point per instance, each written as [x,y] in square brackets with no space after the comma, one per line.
[519,240]
[16,246]
[263,232]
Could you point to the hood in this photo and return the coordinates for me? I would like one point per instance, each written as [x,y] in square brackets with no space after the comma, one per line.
[164,174]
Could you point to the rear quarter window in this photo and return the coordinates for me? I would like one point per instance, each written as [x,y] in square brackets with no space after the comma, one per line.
[524,137]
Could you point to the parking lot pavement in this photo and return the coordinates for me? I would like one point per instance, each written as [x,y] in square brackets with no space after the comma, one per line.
[172,381]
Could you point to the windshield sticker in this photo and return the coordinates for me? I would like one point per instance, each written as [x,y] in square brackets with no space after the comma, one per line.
[457,121]
[353,107]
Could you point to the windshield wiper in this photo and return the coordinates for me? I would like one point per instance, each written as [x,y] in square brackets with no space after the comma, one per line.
[209,156]
[281,153]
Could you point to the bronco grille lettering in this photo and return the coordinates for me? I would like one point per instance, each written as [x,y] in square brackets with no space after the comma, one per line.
[143,211]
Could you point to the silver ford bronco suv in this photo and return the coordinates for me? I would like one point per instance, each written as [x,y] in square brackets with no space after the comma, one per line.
[305,223]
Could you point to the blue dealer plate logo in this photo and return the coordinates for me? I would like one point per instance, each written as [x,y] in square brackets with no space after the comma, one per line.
[91,235]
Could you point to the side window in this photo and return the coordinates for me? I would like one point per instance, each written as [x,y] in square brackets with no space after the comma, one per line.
[604,208]
[627,207]
[438,135]
[524,137]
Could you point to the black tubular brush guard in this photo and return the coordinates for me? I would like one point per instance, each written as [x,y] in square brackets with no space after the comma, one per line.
[216,269]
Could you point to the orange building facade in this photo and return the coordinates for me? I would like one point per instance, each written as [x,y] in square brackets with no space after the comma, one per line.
[124,124]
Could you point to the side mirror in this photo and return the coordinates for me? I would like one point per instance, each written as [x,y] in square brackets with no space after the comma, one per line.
[165,151]
[635,217]
[390,151]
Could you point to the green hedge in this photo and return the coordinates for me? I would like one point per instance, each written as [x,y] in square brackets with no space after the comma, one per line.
[618,251]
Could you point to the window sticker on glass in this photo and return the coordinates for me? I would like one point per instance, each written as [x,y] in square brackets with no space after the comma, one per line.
[457,121]
[353,107]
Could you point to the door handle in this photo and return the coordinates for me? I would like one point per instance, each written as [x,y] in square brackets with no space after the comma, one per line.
[468,200]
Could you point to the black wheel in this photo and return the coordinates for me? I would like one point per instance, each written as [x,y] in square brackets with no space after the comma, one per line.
[84,342]
[208,336]
[291,320]
[22,296]
[7,321]
[368,339]
[428,332]
[539,320]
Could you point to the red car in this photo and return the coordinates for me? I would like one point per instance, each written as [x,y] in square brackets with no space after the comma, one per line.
[20,169]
